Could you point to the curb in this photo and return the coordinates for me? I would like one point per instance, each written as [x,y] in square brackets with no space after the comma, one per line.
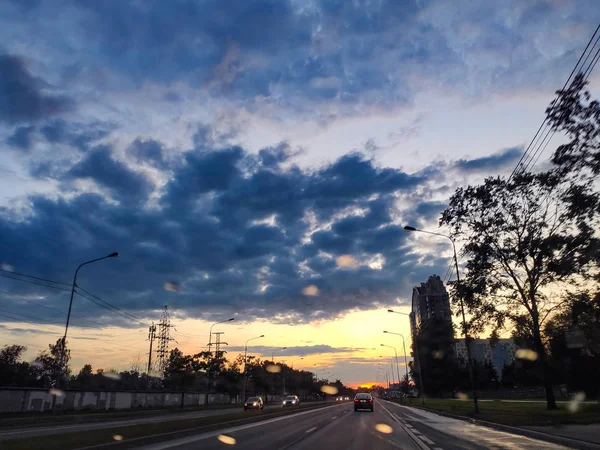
[552,438]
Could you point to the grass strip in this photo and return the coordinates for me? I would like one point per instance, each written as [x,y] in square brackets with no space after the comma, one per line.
[515,413]
[70,441]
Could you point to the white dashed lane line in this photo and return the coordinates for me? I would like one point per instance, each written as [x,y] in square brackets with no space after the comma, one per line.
[427,440]
[310,430]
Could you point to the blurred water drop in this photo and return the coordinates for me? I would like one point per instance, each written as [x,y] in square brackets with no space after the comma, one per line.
[311,290]
[172,286]
[576,401]
[56,392]
[346,261]
[462,396]
[328,389]
[118,437]
[383,428]
[112,375]
[437,354]
[226,439]
[273,368]
[527,354]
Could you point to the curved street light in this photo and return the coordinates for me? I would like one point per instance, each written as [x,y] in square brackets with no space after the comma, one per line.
[64,339]
[405,360]
[295,361]
[246,363]
[462,310]
[396,353]
[273,353]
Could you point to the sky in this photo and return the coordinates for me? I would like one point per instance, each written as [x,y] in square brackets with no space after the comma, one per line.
[261,157]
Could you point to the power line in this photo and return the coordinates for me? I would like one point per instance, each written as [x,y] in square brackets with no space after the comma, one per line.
[106,305]
[35,278]
[520,167]
[48,307]
[535,137]
[33,282]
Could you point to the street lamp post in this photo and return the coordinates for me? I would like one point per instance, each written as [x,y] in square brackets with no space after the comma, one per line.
[246,363]
[404,346]
[273,353]
[295,361]
[416,346]
[462,310]
[64,339]
[210,351]
[273,361]
[395,353]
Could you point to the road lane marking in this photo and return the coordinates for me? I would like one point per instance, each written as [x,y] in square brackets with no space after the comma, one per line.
[209,434]
[310,430]
[334,417]
[426,439]
[407,430]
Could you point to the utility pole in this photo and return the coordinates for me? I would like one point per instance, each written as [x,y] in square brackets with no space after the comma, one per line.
[151,336]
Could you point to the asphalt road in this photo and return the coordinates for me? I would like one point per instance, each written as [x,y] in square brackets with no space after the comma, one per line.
[390,426]
[48,429]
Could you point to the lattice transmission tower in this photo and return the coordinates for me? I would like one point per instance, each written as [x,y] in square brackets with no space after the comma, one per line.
[164,336]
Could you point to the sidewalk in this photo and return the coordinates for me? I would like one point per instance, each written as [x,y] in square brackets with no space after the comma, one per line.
[585,437]
[587,433]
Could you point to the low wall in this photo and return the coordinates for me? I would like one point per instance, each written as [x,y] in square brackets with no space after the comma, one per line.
[38,400]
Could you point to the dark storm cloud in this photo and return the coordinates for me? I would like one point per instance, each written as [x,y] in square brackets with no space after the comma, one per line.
[98,165]
[22,96]
[353,53]
[233,229]
[495,162]
[21,138]
[149,151]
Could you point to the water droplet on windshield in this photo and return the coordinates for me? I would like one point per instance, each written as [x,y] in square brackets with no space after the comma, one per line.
[226,439]
[576,401]
[528,354]
[172,286]
[383,428]
[56,392]
[346,261]
[311,290]
[273,368]
[328,389]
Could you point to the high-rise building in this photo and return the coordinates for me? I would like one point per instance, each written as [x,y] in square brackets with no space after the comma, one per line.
[498,352]
[431,329]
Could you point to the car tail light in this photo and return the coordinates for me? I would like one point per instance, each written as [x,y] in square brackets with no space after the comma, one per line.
[355,400]
[371,401]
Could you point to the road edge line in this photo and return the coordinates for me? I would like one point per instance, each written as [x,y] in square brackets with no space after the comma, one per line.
[410,434]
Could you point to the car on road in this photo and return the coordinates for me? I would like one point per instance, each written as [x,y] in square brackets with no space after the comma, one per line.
[346,398]
[339,399]
[254,403]
[362,400]
[291,400]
